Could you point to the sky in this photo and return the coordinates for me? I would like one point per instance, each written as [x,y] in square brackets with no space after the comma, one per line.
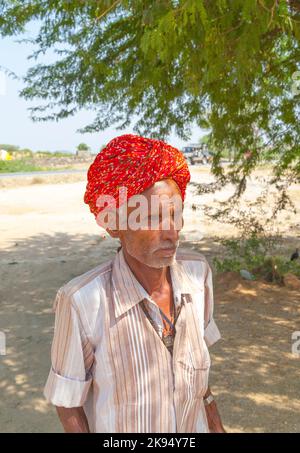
[17,128]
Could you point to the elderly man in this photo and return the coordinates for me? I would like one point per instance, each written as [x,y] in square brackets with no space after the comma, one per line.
[130,348]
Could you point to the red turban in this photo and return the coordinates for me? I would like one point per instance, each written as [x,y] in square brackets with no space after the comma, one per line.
[136,163]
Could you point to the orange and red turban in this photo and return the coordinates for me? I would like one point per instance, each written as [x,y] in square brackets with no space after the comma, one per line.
[136,163]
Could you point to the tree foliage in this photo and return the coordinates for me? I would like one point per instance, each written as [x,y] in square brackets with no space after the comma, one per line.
[83,147]
[226,65]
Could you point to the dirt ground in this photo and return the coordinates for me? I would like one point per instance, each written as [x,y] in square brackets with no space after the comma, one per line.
[48,236]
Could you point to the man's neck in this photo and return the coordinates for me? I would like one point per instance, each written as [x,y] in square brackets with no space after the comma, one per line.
[154,280]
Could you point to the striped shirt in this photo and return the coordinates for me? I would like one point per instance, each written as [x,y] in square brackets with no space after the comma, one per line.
[107,357]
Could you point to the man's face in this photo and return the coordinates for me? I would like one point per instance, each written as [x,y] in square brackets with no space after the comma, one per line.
[155,247]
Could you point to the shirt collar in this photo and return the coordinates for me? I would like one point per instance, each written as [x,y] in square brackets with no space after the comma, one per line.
[127,291]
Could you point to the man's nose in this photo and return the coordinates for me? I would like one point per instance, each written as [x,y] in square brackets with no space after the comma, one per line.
[170,230]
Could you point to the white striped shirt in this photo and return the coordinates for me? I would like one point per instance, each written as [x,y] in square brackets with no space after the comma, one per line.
[107,357]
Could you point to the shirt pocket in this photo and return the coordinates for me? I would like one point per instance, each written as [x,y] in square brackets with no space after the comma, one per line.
[200,369]
[195,368]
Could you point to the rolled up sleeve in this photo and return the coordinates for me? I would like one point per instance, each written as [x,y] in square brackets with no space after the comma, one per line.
[70,378]
[211,331]
[65,391]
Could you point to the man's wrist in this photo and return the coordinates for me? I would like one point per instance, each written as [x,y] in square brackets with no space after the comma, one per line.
[208,400]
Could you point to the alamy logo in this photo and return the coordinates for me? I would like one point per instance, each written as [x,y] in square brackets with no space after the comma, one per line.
[147,214]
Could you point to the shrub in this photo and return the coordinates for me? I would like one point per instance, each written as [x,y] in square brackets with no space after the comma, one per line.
[257,255]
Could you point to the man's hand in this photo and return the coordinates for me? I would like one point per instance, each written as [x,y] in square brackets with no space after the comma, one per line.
[213,417]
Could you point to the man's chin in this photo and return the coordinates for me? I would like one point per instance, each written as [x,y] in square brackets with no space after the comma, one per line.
[154,259]
[162,261]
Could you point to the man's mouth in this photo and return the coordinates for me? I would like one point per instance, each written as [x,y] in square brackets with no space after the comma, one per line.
[167,251]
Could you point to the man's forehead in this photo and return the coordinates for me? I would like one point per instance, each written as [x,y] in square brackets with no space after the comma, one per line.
[163,195]
[164,186]
[154,203]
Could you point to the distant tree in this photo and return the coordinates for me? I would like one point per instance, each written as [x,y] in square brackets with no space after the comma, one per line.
[9,148]
[83,147]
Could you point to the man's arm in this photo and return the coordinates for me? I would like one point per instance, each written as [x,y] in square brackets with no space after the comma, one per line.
[73,419]
[213,417]
[72,357]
